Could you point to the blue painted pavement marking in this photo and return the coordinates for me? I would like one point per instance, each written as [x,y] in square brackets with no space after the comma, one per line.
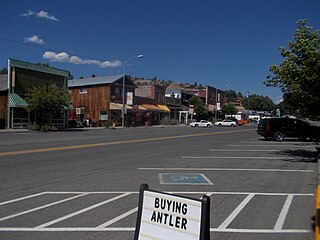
[184,178]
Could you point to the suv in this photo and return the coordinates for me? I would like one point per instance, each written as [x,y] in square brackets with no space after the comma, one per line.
[280,128]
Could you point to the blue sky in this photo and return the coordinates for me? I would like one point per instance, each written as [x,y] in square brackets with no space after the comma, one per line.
[228,44]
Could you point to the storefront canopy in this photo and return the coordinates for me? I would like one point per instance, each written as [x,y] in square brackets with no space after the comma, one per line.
[164,108]
[15,101]
[150,107]
[118,106]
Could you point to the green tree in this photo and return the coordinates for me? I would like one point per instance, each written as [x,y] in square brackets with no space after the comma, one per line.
[199,109]
[3,71]
[231,96]
[240,95]
[258,103]
[48,100]
[229,109]
[298,75]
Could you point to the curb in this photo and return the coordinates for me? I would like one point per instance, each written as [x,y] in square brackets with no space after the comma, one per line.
[317,212]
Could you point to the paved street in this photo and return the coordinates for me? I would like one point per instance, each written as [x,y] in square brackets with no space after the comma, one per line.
[84,184]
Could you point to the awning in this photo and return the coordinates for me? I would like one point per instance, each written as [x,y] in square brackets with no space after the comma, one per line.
[118,106]
[151,108]
[68,108]
[140,108]
[15,101]
[164,108]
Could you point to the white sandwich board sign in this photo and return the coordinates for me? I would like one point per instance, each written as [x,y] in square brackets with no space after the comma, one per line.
[166,216]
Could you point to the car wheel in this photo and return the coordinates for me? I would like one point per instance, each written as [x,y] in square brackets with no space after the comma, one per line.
[219,125]
[196,125]
[278,136]
[232,125]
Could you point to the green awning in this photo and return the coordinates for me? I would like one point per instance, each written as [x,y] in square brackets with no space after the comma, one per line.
[68,108]
[15,101]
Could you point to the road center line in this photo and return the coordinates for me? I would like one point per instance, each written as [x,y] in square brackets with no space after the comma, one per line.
[40,150]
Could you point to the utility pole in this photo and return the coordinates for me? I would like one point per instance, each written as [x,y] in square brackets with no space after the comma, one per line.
[248,106]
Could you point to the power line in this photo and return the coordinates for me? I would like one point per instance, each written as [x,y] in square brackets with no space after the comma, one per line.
[41,47]
[25,44]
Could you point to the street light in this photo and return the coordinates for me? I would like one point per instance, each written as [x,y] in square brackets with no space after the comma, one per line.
[124,86]
[216,112]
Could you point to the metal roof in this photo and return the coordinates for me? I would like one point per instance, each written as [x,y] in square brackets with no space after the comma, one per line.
[94,81]
[3,82]
[37,67]
[16,101]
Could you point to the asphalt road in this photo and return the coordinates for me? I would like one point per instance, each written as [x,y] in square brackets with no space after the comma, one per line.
[84,184]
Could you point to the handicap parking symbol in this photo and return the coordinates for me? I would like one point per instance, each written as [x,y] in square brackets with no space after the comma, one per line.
[184,178]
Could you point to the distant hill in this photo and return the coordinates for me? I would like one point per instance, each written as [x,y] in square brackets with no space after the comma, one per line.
[168,83]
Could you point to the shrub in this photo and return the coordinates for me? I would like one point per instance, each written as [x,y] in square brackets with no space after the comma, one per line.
[43,128]
[174,121]
[165,121]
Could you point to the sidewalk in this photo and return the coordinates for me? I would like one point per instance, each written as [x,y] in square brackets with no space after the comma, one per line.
[21,130]
[16,130]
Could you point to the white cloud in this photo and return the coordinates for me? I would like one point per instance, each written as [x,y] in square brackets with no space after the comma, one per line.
[27,14]
[41,14]
[64,57]
[115,63]
[278,99]
[56,57]
[34,39]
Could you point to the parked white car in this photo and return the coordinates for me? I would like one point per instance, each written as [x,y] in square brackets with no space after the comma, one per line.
[226,122]
[202,123]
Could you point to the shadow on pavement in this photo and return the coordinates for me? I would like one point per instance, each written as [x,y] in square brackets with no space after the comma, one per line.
[301,155]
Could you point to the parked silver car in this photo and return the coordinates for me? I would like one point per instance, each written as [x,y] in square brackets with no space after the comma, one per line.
[226,122]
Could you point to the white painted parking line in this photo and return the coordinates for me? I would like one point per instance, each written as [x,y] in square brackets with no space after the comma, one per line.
[81,211]
[236,230]
[109,192]
[42,207]
[237,157]
[22,198]
[283,213]
[242,150]
[116,219]
[229,169]
[273,145]
[106,227]
[132,229]
[198,193]
[68,229]
[235,213]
